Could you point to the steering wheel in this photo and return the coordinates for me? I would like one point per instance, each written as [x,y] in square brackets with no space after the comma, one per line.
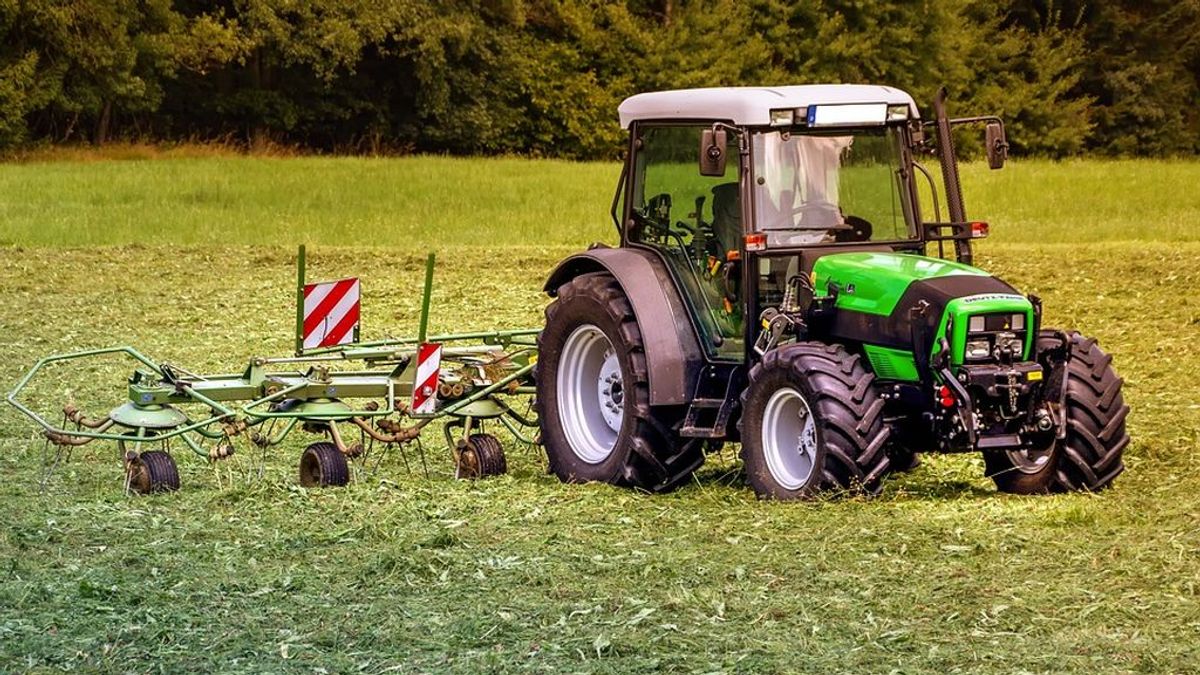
[857,229]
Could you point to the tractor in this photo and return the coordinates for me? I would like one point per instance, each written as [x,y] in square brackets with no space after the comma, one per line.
[778,284]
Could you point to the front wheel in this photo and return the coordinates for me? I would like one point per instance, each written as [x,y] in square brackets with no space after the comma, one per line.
[1089,457]
[594,394]
[812,422]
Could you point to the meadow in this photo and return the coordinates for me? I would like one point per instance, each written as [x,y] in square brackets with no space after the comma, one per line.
[189,259]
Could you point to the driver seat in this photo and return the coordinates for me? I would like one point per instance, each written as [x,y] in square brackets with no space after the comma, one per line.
[727,216]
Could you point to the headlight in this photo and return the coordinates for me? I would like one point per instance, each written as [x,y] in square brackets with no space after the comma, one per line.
[977,324]
[978,349]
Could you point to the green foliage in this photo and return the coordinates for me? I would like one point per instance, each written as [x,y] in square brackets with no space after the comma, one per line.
[543,77]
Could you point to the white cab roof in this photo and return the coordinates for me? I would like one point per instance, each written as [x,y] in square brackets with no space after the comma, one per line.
[751,106]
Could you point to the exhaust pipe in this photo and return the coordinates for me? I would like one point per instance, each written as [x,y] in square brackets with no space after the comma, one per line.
[954,199]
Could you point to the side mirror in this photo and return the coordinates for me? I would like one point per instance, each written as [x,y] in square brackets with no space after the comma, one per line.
[712,152]
[997,145]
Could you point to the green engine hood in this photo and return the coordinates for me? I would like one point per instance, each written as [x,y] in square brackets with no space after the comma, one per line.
[874,282]
[876,291]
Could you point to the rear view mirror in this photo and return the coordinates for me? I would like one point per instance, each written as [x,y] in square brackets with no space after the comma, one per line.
[997,145]
[712,152]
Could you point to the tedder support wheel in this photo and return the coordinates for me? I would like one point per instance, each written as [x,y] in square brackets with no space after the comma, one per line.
[1089,457]
[594,395]
[812,422]
[152,471]
[323,465]
[481,456]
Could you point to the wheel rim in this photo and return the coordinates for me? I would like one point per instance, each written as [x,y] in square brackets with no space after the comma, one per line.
[1028,460]
[591,394]
[139,476]
[310,469]
[789,438]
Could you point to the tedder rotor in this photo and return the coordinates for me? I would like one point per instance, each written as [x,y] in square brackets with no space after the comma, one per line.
[355,395]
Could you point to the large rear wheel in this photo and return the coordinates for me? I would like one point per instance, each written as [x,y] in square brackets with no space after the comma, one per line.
[594,395]
[1089,457]
[812,422]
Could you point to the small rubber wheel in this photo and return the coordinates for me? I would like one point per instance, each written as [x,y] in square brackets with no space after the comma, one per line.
[483,456]
[323,465]
[151,472]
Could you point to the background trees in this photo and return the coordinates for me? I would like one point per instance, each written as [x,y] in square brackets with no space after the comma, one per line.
[544,76]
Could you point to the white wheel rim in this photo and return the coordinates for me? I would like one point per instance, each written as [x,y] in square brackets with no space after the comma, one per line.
[789,438]
[591,394]
[1029,460]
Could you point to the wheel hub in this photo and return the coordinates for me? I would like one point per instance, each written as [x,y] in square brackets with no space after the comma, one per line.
[1030,460]
[789,438]
[611,392]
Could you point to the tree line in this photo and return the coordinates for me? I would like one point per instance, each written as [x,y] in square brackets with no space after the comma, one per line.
[544,77]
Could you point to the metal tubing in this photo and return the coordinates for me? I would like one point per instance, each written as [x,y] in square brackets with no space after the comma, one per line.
[423,330]
[404,435]
[191,391]
[271,397]
[512,429]
[954,197]
[300,260]
[59,439]
[80,433]
[499,336]
[195,447]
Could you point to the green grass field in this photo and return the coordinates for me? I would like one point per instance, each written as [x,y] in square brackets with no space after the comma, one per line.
[190,260]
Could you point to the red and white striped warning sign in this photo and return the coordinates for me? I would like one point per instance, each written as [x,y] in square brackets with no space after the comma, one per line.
[425,384]
[331,313]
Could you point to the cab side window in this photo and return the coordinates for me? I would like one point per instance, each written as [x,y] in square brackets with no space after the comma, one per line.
[695,221]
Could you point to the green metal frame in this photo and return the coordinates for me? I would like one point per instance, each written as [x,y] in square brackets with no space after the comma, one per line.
[313,383]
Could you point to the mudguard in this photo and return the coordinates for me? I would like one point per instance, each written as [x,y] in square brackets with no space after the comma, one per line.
[673,354]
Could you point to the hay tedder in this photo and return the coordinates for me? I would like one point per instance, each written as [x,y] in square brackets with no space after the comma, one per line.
[358,396]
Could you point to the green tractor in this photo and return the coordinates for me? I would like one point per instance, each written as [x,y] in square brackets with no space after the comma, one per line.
[775,286]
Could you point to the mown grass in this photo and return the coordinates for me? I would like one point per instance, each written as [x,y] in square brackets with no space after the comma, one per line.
[239,572]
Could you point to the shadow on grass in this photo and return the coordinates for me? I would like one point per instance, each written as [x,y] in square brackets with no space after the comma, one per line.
[936,479]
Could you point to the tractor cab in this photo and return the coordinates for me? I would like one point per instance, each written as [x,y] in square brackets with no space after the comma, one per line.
[742,190]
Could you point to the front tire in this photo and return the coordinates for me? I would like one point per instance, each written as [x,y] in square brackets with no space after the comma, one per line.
[594,395]
[1090,456]
[812,422]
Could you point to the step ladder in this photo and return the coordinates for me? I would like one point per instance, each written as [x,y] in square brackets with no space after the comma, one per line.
[708,417]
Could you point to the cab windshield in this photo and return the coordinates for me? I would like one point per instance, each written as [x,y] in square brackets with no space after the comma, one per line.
[815,188]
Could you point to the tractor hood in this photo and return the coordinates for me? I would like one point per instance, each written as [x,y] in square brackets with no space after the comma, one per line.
[874,282]
[877,291]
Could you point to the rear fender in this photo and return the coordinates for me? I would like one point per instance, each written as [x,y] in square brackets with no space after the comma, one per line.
[673,354]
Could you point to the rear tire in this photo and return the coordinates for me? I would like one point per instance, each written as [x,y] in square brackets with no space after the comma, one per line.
[593,393]
[152,472]
[841,430]
[1089,458]
[323,465]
